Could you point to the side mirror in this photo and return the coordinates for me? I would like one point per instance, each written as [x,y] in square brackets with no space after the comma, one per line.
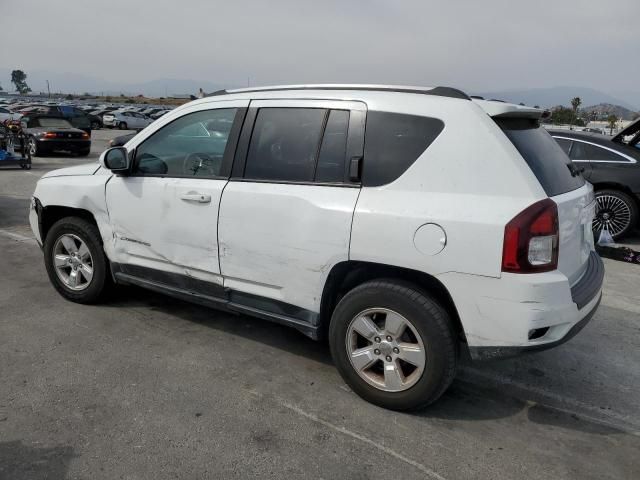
[116,159]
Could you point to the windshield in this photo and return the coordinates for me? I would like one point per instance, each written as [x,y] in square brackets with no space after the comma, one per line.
[51,122]
[548,162]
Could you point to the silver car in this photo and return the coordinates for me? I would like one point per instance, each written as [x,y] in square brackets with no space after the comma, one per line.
[126,120]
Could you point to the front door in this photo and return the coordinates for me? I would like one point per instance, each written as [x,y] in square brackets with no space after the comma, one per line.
[165,214]
[285,216]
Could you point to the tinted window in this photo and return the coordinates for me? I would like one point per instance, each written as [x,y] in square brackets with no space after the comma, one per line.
[284,144]
[564,144]
[192,145]
[586,151]
[49,122]
[334,148]
[393,141]
[546,159]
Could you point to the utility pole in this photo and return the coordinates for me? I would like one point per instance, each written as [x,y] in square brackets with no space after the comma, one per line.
[48,90]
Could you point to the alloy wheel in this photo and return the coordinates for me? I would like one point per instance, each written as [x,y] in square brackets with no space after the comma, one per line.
[73,262]
[613,215]
[385,349]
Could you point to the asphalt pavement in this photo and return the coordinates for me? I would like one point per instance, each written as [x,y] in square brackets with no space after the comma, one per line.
[148,387]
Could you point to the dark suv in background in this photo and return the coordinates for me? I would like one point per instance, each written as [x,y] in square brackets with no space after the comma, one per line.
[76,117]
[611,164]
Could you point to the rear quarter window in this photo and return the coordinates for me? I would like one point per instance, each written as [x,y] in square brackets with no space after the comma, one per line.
[546,159]
[393,141]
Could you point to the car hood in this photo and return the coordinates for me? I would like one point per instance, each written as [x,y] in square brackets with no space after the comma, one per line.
[85,169]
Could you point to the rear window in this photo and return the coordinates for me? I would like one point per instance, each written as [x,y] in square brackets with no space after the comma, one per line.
[50,122]
[393,141]
[548,162]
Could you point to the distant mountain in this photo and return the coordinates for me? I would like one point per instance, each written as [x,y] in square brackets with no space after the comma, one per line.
[603,110]
[79,84]
[549,97]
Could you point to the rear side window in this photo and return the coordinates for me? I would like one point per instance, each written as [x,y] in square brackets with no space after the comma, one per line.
[333,150]
[564,144]
[548,162]
[284,144]
[393,141]
[586,151]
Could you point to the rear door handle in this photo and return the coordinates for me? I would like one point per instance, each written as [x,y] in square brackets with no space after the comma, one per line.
[196,197]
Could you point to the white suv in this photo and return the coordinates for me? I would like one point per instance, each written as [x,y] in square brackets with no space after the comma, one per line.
[408,225]
[126,120]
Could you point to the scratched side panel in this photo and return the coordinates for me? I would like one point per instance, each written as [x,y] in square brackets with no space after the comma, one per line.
[154,227]
[280,241]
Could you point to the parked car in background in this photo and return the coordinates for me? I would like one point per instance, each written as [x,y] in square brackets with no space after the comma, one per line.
[611,165]
[76,117]
[121,140]
[405,247]
[126,120]
[6,114]
[159,114]
[47,134]
[593,130]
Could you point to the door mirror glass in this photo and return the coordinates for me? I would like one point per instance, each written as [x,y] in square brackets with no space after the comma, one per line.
[116,159]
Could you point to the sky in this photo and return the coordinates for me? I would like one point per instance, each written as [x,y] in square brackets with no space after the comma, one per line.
[477,45]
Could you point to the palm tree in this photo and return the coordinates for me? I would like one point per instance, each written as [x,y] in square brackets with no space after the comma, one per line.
[575,104]
[612,120]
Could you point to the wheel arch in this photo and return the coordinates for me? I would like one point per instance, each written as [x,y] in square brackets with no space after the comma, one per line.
[52,213]
[347,275]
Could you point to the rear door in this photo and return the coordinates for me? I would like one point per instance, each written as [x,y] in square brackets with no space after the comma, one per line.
[285,215]
[564,184]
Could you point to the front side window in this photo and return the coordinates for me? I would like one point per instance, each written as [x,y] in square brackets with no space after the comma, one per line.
[587,152]
[191,146]
[284,144]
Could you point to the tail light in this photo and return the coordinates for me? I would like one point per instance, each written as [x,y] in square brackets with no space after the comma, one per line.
[49,135]
[86,136]
[531,239]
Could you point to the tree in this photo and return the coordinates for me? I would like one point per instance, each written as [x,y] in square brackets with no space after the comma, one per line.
[565,116]
[612,120]
[19,79]
[575,104]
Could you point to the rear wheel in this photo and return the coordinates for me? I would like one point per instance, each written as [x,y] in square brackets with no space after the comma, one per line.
[122,126]
[616,212]
[95,125]
[393,345]
[34,148]
[75,261]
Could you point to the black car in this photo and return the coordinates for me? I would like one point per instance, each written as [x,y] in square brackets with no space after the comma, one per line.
[612,165]
[121,140]
[76,117]
[47,133]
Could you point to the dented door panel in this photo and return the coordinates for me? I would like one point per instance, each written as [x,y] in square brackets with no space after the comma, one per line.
[160,223]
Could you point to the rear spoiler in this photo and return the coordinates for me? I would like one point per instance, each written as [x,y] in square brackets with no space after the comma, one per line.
[498,109]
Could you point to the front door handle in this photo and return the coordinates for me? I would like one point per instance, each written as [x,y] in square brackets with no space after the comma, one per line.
[196,197]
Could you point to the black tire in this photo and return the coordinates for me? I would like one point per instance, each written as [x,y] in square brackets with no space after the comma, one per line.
[122,126]
[89,234]
[432,323]
[630,204]
[95,126]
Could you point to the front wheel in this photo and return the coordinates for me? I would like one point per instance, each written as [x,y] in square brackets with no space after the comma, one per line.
[75,261]
[122,126]
[95,126]
[616,212]
[393,345]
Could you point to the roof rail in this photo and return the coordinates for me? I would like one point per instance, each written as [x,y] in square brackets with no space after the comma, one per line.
[439,91]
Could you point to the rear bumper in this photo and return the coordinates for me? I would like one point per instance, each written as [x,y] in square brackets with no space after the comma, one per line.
[66,145]
[519,313]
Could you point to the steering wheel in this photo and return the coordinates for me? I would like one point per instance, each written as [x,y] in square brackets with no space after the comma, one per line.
[199,164]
